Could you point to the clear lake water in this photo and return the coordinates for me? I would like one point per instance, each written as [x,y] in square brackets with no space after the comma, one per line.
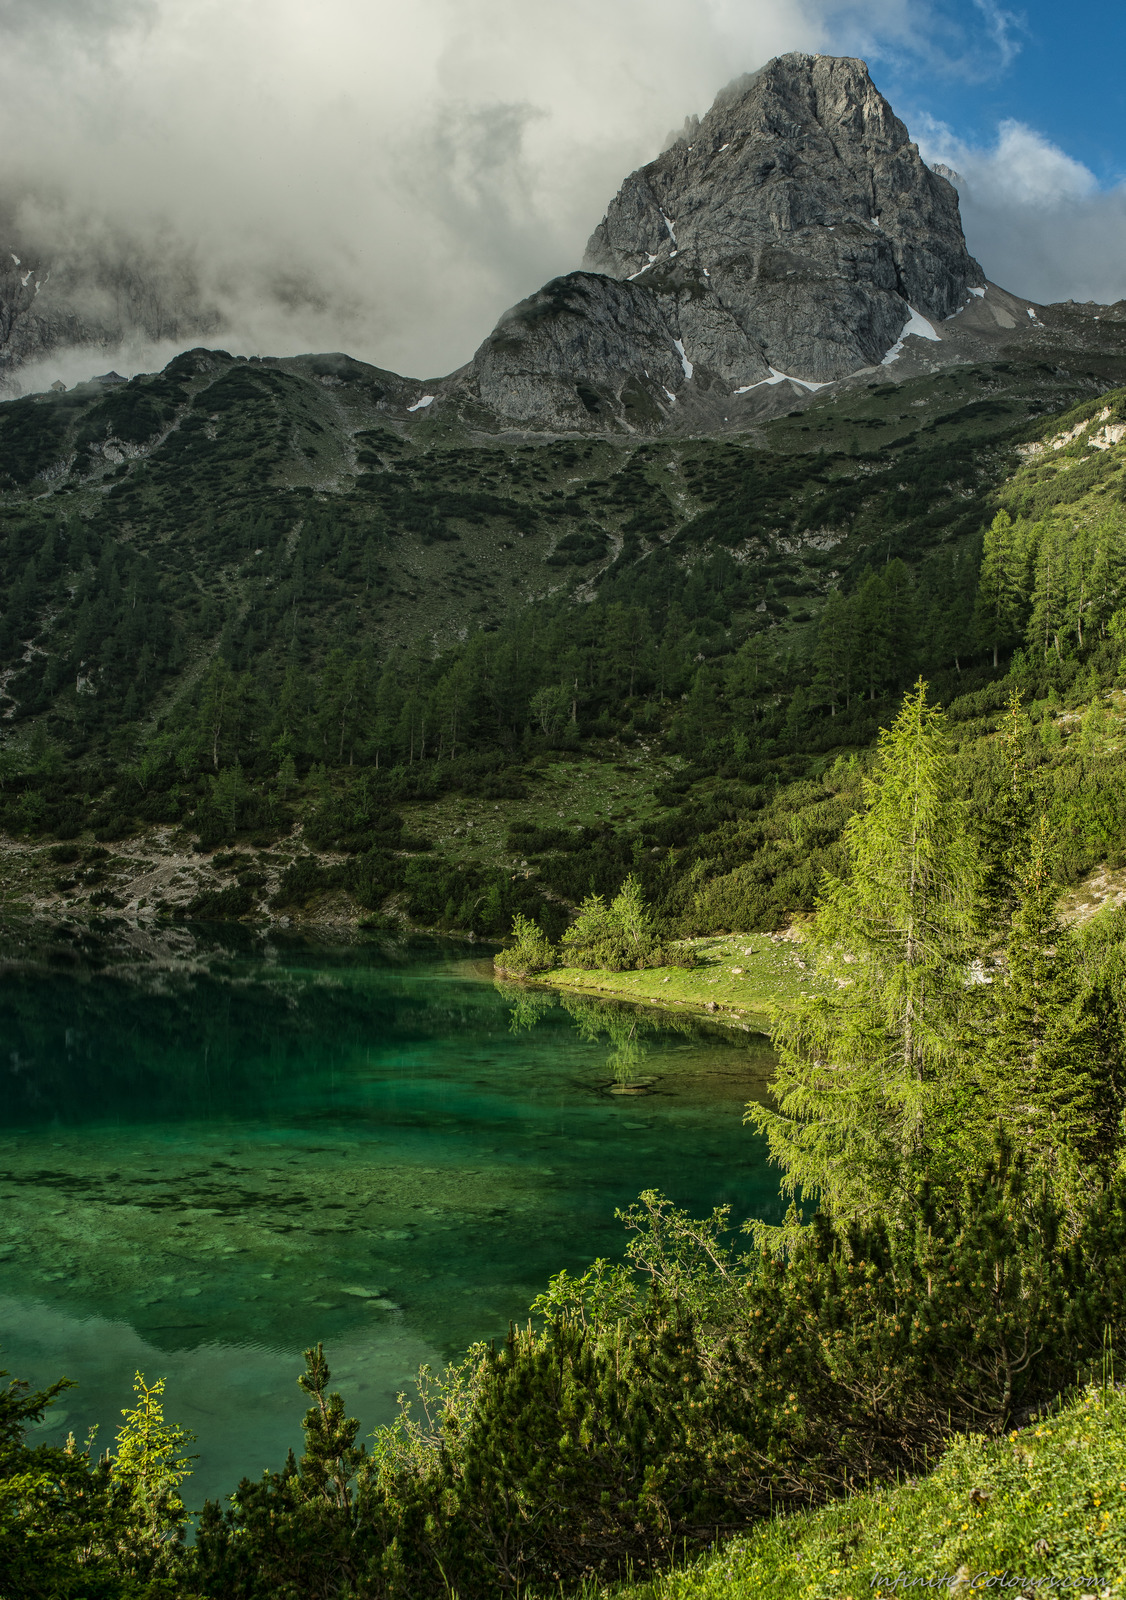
[220,1146]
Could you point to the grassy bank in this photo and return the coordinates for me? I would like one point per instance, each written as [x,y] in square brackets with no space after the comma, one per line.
[1040,1512]
[738,977]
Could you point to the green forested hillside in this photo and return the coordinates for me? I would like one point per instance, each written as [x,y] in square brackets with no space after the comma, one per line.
[238,599]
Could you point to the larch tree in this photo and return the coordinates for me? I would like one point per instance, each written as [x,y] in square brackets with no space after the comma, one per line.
[871,1071]
[1051,1072]
[999,586]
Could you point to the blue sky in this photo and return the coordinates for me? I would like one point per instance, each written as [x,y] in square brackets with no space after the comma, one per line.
[1060,70]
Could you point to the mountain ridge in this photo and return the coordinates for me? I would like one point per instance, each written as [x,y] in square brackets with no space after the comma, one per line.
[793,238]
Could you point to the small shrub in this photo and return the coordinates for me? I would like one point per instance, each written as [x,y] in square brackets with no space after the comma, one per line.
[302,880]
[218,905]
[619,937]
[528,951]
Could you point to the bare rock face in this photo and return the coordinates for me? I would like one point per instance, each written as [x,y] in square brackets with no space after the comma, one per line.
[801,216]
[579,353]
[791,231]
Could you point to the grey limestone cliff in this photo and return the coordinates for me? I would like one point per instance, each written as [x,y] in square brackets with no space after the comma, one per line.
[791,231]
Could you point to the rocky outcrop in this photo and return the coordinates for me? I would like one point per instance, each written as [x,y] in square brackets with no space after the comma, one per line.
[799,219]
[582,352]
[792,231]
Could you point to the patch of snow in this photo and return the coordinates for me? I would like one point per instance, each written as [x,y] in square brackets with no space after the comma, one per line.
[723,147]
[783,377]
[1035,318]
[427,399]
[979,292]
[640,270]
[707,274]
[25,279]
[672,397]
[684,361]
[917,325]
[14,257]
[669,226]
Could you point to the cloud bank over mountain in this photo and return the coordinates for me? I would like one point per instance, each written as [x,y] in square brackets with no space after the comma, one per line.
[1034,216]
[387,180]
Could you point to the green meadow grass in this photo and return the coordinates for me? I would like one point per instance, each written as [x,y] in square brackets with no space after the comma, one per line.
[1040,1512]
[738,976]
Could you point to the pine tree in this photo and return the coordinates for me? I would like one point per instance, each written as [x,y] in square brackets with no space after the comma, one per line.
[1108,570]
[869,1074]
[1005,823]
[1050,1074]
[999,587]
[835,655]
[150,1465]
[1049,595]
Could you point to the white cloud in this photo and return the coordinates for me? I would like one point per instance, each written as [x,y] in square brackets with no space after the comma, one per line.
[388,178]
[358,173]
[1036,218]
[1002,27]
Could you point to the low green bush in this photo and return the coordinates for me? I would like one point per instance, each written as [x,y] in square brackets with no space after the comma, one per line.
[685,1394]
[78,1527]
[301,880]
[618,937]
[527,951]
[218,905]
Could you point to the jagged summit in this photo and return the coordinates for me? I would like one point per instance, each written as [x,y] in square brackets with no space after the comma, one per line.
[792,238]
[794,230]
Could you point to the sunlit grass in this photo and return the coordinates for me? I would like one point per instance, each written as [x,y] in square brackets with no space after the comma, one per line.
[1042,1511]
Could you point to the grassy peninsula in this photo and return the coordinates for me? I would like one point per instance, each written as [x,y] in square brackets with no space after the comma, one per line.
[738,978]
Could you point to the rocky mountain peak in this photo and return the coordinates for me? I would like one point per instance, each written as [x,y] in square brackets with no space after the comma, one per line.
[795,231]
[793,228]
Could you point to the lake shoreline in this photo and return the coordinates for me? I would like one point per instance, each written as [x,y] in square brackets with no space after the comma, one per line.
[740,979]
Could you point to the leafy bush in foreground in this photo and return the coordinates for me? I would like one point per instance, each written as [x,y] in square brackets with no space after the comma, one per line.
[76,1527]
[646,1416]
[529,950]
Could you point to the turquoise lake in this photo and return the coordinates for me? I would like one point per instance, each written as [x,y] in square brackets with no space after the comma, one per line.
[218,1147]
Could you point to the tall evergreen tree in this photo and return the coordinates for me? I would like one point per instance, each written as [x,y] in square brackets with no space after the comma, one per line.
[1050,1074]
[999,598]
[869,1074]
[1048,617]
[1005,822]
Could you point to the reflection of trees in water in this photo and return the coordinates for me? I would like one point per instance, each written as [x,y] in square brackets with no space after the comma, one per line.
[628,1029]
[176,1019]
[528,1005]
